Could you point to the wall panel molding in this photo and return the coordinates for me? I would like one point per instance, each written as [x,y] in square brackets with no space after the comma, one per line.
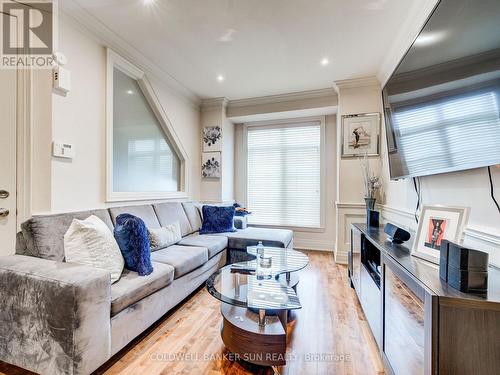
[347,214]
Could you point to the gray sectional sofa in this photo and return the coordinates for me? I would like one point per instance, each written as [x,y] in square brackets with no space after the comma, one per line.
[63,318]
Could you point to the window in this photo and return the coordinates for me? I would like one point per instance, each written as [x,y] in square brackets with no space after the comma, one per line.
[284,174]
[144,159]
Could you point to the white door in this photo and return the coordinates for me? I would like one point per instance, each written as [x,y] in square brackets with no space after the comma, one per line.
[8,96]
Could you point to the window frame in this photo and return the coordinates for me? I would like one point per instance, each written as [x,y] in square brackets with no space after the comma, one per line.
[290,123]
[113,60]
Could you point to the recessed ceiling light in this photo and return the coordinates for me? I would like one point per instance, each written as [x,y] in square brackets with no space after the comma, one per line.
[324,61]
[220,78]
[228,36]
[130,92]
[148,2]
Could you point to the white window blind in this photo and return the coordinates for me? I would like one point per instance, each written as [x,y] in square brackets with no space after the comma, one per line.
[458,131]
[284,175]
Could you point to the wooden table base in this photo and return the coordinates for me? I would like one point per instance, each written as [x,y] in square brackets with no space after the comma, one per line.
[250,342]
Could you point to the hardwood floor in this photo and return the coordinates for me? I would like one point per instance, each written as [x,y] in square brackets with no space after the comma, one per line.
[329,335]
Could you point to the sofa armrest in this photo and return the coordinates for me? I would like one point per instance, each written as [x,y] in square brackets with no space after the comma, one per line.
[55,317]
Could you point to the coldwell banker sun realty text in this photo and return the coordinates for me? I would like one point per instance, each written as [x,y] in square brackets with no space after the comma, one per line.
[27,34]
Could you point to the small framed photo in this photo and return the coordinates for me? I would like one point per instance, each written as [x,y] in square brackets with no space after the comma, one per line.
[212,138]
[211,165]
[435,225]
[361,135]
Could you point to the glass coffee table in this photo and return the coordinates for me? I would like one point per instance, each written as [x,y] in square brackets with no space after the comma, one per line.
[255,304]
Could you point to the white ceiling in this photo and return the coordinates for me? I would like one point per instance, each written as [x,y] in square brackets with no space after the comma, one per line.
[261,47]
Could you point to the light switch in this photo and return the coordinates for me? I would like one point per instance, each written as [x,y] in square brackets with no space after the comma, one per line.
[63,150]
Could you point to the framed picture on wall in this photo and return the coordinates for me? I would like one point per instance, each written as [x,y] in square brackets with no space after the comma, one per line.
[436,224]
[212,138]
[361,135]
[211,165]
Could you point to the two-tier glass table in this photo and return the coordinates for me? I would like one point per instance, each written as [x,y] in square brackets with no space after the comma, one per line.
[255,304]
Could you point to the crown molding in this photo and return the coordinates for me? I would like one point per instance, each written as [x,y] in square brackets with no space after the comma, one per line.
[283,98]
[416,18]
[102,34]
[212,103]
[356,82]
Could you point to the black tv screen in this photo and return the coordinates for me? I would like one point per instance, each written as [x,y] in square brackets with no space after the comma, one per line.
[442,103]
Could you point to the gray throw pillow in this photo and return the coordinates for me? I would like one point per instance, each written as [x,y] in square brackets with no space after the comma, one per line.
[164,236]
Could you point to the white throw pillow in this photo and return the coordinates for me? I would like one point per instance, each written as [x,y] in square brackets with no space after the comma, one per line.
[91,242]
[165,236]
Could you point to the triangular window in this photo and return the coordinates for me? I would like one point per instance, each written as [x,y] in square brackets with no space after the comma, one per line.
[146,162]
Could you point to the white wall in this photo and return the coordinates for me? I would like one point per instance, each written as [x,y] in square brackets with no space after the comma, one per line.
[227,160]
[216,190]
[79,119]
[468,188]
[465,188]
[355,96]
[42,139]
[213,115]
[398,199]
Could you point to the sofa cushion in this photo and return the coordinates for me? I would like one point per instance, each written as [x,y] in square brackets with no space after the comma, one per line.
[131,235]
[170,212]
[251,236]
[193,212]
[144,212]
[131,287]
[44,234]
[214,244]
[184,259]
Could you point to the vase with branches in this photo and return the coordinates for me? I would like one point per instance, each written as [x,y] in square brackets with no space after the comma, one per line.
[371,183]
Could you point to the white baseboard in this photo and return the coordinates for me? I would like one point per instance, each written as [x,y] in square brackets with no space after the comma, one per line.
[341,258]
[315,245]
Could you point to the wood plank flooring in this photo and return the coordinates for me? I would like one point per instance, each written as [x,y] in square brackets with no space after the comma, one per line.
[329,335]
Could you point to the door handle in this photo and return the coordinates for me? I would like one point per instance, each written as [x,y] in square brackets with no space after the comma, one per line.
[4,212]
[4,194]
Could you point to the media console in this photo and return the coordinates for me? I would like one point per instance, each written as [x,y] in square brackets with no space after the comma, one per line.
[421,324]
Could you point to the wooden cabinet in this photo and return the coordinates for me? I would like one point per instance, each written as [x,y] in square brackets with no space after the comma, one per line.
[422,326]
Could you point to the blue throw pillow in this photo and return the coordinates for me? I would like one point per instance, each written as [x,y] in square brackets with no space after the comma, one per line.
[217,219]
[131,235]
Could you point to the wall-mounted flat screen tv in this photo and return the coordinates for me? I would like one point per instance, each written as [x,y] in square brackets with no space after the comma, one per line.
[442,103]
